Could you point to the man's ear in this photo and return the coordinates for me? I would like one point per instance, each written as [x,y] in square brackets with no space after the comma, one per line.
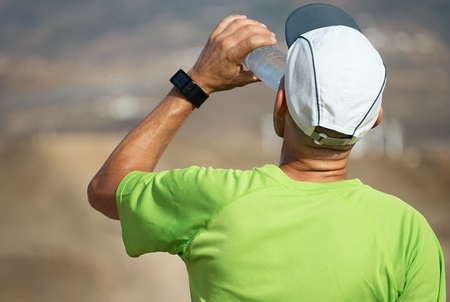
[380,117]
[279,112]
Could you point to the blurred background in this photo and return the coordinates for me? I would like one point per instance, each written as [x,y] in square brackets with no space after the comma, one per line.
[76,76]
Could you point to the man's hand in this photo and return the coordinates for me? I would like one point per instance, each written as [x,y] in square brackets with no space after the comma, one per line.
[219,65]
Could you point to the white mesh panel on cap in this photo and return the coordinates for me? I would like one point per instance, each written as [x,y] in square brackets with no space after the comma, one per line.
[300,84]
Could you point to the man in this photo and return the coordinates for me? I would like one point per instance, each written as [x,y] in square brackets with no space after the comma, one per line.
[300,231]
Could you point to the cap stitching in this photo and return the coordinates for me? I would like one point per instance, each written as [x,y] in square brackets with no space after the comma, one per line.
[315,78]
[374,102]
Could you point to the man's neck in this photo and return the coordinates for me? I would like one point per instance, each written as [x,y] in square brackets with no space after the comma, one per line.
[303,160]
[300,172]
[312,164]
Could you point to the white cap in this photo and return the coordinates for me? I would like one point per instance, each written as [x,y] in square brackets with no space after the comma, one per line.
[334,76]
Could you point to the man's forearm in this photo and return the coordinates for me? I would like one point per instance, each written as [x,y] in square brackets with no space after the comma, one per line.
[140,150]
[143,146]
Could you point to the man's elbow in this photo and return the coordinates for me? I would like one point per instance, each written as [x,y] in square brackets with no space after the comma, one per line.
[92,193]
[101,199]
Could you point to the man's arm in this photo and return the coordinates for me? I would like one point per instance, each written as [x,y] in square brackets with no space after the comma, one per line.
[218,68]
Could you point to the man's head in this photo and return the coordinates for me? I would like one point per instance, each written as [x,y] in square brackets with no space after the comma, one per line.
[334,77]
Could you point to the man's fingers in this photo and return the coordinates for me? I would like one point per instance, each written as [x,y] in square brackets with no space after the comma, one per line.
[240,38]
[243,33]
[241,50]
[246,77]
[225,23]
[238,25]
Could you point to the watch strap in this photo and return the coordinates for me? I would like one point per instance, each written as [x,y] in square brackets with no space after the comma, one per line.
[189,88]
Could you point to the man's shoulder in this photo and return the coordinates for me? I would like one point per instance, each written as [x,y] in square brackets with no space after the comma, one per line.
[385,199]
[227,173]
[389,212]
[200,178]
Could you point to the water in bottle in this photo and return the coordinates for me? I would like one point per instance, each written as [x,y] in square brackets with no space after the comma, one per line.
[268,63]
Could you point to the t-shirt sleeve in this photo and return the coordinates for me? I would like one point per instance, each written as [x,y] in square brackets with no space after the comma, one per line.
[425,273]
[163,211]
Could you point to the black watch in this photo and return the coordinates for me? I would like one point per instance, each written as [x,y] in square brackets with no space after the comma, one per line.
[189,88]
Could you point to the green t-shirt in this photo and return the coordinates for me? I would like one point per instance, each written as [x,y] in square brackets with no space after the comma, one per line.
[258,235]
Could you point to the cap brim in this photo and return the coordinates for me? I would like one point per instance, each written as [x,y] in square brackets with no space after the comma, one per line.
[313,16]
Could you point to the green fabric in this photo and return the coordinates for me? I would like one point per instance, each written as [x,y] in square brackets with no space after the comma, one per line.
[259,236]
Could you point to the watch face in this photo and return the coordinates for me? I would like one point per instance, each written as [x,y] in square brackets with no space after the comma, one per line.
[180,79]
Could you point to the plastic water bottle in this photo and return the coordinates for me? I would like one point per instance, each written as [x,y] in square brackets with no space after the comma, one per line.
[268,63]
